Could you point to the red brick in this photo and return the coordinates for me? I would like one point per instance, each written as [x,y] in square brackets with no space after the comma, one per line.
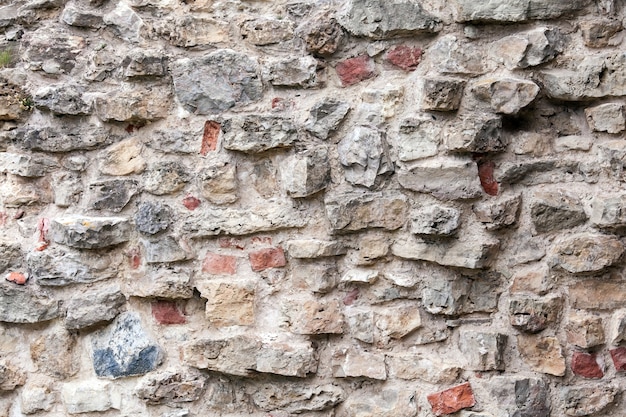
[586,365]
[167,312]
[219,264]
[487,180]
[210,136]
[452,400]
[619,358]
[191,202]
[267,258]
[404,57]
[17,277]
[354,70]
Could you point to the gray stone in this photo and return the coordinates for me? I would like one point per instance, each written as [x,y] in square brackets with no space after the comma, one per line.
[171,386]
[189,30]
[112,195]
[87,396]
[326,116]
[314,248]
[397,320]
[360,324]
[347,363]
[532,315]
[410,366]
[26,165]
[24,305]
[134,105]
[586,253]
[297,398]
[483,351]
[124,349]
[218,182]
[479,133]
[165,178]
[142,63]
[444,178]
[441,94]
[75,16]
[216,82]
[90,232]
[176,140]
[382,20]
[306,173]
[558,210]
[67,188]
[585,401]
[125,22]
[294,72]
[163,283]
[521,397]
[54,353]
[506,95]
[62,99]
[356,211]
[287,358]
[515,10]
[435,220]
[59,267]
[254,134]
[152,218]
[608,117]
[546,171]
[266,31]
[449,55]
[529,49]
[498,214]
[164,250]
[52,50]
[382,402]
[617,328]
[10,254]
[94,307]
[609,212]
[63,138]
[597,33]
[417,138]
[364,155]
[458,294]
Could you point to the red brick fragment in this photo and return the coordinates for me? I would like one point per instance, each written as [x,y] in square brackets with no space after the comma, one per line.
[134,258]
[42,226]
[219,264]
[191,202]
[405,57]
[619,358]
[452,400]
[17,278]
[487,180]
[231,243]
[354,70]
[167,312]
[267,258]
[586,365]
[210,136]
[351,297]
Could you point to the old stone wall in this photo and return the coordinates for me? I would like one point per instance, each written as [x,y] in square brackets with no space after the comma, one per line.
[372,208]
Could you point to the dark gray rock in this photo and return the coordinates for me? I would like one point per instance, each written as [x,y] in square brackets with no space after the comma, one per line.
[326,116]
[356,211]
[152,218]
[533,314]
[59,267]
[90,232]
[93,307]
[112,195]
[165,178]
[521,397]
[364,155]
[552,211]
[307,172]
[124,349]
[442,94]
[255,134]
[322,34]
[435,220]
[171,386]
[10,255]
[144,63]
[22,304]
[53,50]
[546,171]
[498,214]
[62,99]
[217,81]
[26,165]
[515,10]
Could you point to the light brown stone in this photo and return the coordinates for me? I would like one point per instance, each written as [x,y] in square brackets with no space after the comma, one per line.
[397,321]
[229,303]
[412,366]
[315,317]
[584,330]
[598,294]
[123,158]
[542,354]
[587,253]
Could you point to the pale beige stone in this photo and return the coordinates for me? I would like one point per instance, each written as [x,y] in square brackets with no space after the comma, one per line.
[397,321]
[315,317]
[123,158]
[229,303]
[412,366]
[584,330]
[542,354]
[355,363]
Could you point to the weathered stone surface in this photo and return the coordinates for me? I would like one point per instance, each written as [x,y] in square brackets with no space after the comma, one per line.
[300,72]
[435,220]
[381,402]
[62,138]
[326,116]
[24,305]
[54,353]
[350,212]
[229,303]
[314,248]
[382,20]
[322,34]
[523,397]
[164,250]
[165,178]
[515,10]
[315,317]
[445,178]
[618,328]
[137,106]
[479,133]
[112,195]
[452,400]
[360,275]
[528,49]
[449,55]
[152,218]
[585,401]
[254,134]
[123,158]
[217,81]
[609,117]
[263,259]
[483,351]
[75,16]
[409,366]
[307,172]
[296,399]
[602,295]
[608,212]
[542,354]
[266,31]
[572,143]
[87,396]
[94,307]
[597,33]
[354,363]
[124,349]
[90,232]
[586,365]
[585,331]
[360,323]
[171,386]
[404,57]
[125,22]
[37,395]
[586,253]
[52,51]
[532,315]
[545,171]
[189,30]
[417,138]
[558,210]
[57,267]
[163,283]
[397,320]
[144,63]
[10,376]
[319,277]
[506,95]
[476,253]
[498,214]
[441,94]
[355,70]
[25,165]
[364,156]
[62,99]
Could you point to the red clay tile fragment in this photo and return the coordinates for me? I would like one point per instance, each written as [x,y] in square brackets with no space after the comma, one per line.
[267,258]
[586,365]
[452,400]
[354,70]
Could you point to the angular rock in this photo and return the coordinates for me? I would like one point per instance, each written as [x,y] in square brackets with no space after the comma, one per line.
[477,134]
[318,277]
[454,295]
[609,212]
[90,232]
[138,106]
[449,55]
[618,328]
[124,349]
[585,401]
[255,134]
[435,220]
[326,116]
[315,317]
[54,353]
[164,250]
[499,214]
[152,218]
[93,308]
[288,359]
[351,212]
[123,158]
[62,99]
[62,138]
[37,395]
[379,19]
[314,248]
[218,182]
[306,173]
[112,195]
[322,34]
[52,50]
[141,63]
[585,331]
[572,143]
[10,254]
[87,396]
[74,16]
[483,351]
[618,356]
[266,31]
[595,294]
[597,33]
[506,95]
[523,397]
[26,165]
[415,366]
[445,178]
[229,303]
[263,259]
[559,210]
[404,57]
[515,10]
[609,117]
[542,354]
[167,283]
[298,398]
[586,253]
[441,94]
[452,400]
[10,377]
[364,155]
[546,171]
[23,305]
[529,49]
[398,320]
[56,267]
[217,81]
[382,402]
[125,22]
[532,315]
[352,363]
[166,178]
[171,386]
[294,72]
[188,30]
[417,138]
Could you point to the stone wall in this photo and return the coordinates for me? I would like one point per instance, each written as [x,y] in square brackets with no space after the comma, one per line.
[317,208]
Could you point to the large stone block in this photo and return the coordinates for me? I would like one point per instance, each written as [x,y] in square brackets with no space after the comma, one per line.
[229,303]
[608,117]
[326,116]
[297,398]
[586,253]
[351,211]
[56,267]
[90,232]
[542,354]
[410,366]
[315,317]
[506,95]
[176,385]
[596,294]
[255,134]
[162,283]
[528,49]
[435,220]
[364,156]
[294,72]
[441,94]
[24,305]
[557,210]
[263,31]
[515,10]
[390,401]
[62,99]
[586,401]
[88,396]
[355,363]
[55,354]
[94,307]
[532,315]
[139,106]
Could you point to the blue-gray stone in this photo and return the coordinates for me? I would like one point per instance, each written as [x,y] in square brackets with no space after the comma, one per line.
[124,349]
